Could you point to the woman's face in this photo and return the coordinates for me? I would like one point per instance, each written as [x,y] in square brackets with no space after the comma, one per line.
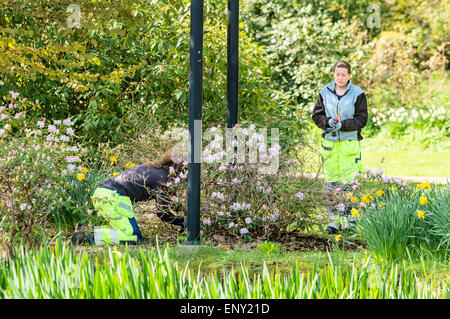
[341,76]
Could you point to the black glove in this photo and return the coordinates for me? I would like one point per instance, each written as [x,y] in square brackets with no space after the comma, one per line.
[181,230]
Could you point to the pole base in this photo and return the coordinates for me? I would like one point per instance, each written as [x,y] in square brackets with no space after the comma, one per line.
[189,248]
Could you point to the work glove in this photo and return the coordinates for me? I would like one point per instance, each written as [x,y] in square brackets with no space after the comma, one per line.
[336,128]
[332,123]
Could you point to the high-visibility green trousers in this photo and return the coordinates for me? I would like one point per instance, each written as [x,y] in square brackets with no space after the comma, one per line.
[341,160]
[116,209]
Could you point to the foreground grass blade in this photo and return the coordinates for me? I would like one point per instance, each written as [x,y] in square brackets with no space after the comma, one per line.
[59,272]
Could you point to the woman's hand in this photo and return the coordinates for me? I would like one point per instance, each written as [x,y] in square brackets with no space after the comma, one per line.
[332,123]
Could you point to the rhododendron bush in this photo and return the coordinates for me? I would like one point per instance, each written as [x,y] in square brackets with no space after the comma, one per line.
[37,163]
[238,200]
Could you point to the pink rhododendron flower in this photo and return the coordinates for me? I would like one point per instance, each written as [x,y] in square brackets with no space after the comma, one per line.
[243,231]
[14,95]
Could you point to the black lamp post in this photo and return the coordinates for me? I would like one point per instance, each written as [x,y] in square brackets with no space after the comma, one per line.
[195,103]
[195,115]
[232,62]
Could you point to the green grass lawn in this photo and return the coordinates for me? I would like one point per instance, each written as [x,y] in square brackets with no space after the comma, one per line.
[402,158]
[409,163]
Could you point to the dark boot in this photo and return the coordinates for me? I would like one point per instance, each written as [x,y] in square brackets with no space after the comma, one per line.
[81,237]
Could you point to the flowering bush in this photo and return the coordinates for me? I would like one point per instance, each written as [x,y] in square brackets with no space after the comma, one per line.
[238,200]
[37,164]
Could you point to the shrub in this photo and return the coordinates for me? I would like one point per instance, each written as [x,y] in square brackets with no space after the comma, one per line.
[37,164]
[239,201]
[127,63]
[302,41]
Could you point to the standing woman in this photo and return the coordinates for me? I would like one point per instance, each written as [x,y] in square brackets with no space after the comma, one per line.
[341,111]
[114,199]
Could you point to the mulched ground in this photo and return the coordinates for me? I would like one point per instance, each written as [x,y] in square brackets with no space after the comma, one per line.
[294,241]
[156,232]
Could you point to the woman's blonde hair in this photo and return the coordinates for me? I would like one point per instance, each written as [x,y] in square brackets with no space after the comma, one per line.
[169,159]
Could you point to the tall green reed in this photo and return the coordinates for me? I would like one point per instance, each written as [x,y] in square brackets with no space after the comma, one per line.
[60,272]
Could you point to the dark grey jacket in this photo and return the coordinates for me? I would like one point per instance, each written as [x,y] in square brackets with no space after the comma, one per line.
[142,183]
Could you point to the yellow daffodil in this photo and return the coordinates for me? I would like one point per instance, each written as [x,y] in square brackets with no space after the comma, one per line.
[115,174]
[80,177]
[84,170]
[354,212]
[337,237]
[130,165]
[365,199]
[354,199]
[348,194]
[382,204]
[380,193]
[113,159]
[420,214]
[371,197]
[424,185]
[423,200]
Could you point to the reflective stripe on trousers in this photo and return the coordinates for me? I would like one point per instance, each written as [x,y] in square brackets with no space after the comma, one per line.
[110,236]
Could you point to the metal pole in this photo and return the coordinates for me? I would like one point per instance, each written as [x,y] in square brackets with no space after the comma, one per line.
[232,62]
[195,115]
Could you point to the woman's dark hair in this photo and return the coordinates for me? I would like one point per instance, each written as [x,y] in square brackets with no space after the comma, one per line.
[343,64]
[166,161]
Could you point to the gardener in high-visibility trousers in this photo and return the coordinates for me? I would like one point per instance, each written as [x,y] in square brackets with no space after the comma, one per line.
[341,111]
[114,199]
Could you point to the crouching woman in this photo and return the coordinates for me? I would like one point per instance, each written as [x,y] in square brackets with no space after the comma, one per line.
[114,199]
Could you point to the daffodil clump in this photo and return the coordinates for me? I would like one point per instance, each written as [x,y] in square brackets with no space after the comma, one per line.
[399,215]
[392,215]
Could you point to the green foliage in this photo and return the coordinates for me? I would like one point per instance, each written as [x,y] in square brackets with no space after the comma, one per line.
[427,23]
[127,64]
[268,247]
[59,273]
[37,163]
[303,40]
[399,218]
[420,113]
